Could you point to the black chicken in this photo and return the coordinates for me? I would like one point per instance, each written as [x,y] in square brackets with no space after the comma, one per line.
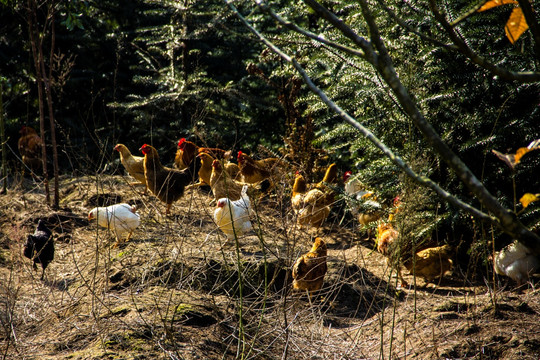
[40,247]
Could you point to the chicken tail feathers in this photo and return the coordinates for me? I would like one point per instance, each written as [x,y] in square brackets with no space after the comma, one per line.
[265,185]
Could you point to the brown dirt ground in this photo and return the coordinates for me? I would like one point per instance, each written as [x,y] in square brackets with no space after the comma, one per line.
[173,291]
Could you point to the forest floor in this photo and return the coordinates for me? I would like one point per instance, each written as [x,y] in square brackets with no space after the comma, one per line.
[178,290]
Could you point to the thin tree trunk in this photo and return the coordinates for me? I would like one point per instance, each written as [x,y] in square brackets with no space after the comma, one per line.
[3,140]
[36,43]
[46,82]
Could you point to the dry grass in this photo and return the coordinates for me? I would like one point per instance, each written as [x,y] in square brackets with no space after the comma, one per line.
[178,290]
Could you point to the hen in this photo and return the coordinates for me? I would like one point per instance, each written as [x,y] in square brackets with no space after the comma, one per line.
[431,263]
[205,171]
[187,151]
[40,247]
[516,261]
[30,149]
[254,171]
[120,219]
[166,183]
[311,207]
[357,194]
[232,217]
[309,269]
[134,165]
[225,187]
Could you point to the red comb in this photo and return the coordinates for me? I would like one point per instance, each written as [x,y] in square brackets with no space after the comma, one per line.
[347,175]
[181,141]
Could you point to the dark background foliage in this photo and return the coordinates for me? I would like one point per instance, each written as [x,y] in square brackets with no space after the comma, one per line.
[152,72]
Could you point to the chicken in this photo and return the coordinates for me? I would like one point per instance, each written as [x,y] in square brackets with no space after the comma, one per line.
[254,171]
[309,269]
[330,179]
[516,261]
[358,194]
[232,217]
[30,148]
[187,151]
[121,219]
[134,165]
[166,183]
[206,169]
[299,191]
[40,247]
[311,207]
[386,236]
[431,263]
[225,187]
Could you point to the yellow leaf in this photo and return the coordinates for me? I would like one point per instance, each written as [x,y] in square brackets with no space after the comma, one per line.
[516,25]
[519,154]
[494,3]
[528,198]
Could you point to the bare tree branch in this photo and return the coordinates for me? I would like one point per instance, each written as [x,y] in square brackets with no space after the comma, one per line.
[530,17]
[504,218]
[523,77]
[410,29]
[306,33]
[368,134]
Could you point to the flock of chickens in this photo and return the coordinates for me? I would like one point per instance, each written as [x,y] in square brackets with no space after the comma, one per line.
[233,184]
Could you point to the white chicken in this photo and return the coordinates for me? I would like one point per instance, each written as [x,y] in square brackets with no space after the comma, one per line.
[233,216]
[120,219]
[516,261]
[357,191]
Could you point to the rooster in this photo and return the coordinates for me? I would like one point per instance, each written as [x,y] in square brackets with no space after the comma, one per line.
[225,187]
[516,261]
[232,217]
[311,207]
[166,183]
[121,219]
[187,151]
[30,147]
[134,165]
[40,247]
[309,269]
[254,171]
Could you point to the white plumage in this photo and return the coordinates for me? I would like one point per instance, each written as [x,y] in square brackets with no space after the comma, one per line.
[120,219]
[359,195]
[516,261]
[234,213]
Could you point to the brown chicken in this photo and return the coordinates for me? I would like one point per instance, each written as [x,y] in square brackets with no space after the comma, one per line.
[431,263]
[134,165]
[330,179]
[225,187]
[309,269]
[386,236]
[253,171]
[311,206]
[166,183]
[187,151]
[30,149]
[206,169]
